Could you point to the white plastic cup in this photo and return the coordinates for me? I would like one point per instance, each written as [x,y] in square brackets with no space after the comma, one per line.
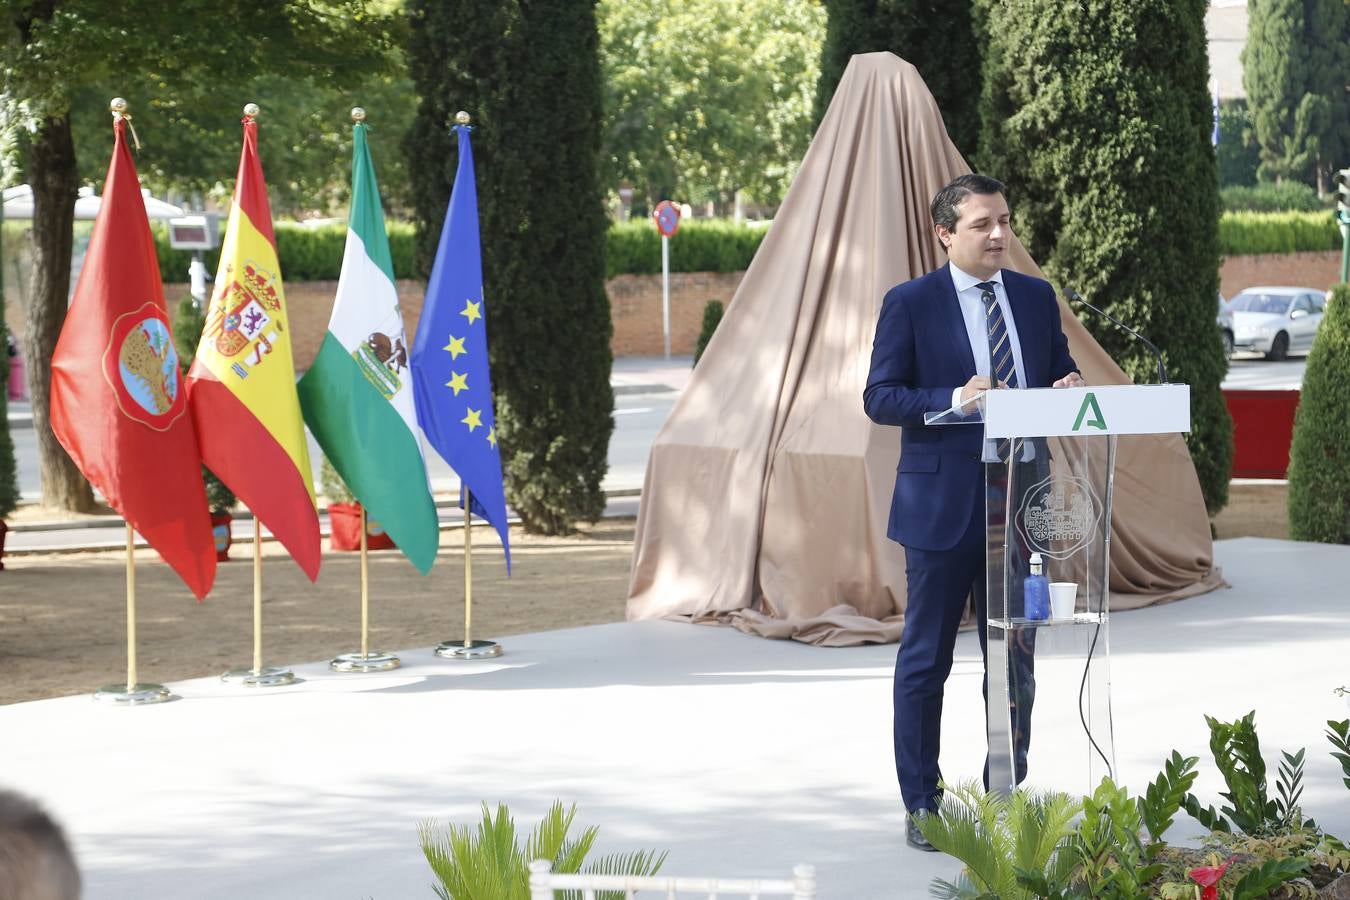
[1063,595]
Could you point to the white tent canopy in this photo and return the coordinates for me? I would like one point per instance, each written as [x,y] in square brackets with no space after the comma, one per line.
[19,204]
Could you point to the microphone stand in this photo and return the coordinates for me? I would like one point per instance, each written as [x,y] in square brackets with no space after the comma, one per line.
[1162,370]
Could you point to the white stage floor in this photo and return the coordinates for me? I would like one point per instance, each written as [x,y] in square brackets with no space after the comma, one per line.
[741,756]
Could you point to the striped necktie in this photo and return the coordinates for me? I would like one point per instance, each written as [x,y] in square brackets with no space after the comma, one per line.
[1000,349]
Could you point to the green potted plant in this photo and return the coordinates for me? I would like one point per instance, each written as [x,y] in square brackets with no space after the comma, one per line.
[344,515]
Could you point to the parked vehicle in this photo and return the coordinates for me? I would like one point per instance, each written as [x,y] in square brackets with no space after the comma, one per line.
[1276,320]
[1225,321]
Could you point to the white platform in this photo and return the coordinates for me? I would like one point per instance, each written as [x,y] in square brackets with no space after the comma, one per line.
[740,756]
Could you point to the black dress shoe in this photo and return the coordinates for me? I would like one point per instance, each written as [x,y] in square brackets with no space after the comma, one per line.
[913,836]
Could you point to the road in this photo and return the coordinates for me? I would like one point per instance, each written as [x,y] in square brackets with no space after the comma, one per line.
[637,418]
[1250,372]
[639,414]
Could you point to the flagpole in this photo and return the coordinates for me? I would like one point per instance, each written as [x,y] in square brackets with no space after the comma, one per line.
[468,648]
[459,262]
[132,693]
[365,590]
[257,596]
[366,660]
[131,609]
[468,573]
[258,675]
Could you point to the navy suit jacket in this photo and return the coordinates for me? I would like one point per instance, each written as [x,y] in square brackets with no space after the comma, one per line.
[921,352]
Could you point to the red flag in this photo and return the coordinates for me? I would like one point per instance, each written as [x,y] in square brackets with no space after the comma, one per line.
[118,403]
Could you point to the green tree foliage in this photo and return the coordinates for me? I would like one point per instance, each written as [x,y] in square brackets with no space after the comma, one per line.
[1319,458]
[707,97]
[1098,116]
[1238,154]
[712,317]
[937,36]
[529,74]
[182,60]
[1294,67]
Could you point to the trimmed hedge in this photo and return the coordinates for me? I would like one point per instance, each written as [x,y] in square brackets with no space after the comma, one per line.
[1287,196]
[306,254]
[315,254]
[1242,233]
[698,246]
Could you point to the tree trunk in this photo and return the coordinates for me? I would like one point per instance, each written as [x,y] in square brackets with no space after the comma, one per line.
[55,183]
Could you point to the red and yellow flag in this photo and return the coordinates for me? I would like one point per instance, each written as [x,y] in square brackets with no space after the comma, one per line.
[118,404]
[241,388]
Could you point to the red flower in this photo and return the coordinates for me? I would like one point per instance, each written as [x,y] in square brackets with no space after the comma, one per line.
[1208,878]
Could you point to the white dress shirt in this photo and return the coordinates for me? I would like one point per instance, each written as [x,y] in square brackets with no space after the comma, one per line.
[973,313]
[976,317]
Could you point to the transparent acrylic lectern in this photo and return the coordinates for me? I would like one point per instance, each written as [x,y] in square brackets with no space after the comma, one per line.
[1049,461]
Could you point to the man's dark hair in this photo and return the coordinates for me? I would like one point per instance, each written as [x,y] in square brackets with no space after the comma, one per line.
[958,189]
[35,860]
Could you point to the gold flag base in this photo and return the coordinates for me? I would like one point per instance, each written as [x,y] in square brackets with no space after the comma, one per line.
[470,650]
[267,676]
[374,661]
[140,694]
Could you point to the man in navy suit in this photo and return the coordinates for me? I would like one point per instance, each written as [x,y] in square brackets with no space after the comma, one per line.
[938,339]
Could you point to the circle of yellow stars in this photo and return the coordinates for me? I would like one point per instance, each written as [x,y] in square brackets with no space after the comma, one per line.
[459,381]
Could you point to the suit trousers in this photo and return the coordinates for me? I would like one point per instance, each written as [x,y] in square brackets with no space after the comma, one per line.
[939,583]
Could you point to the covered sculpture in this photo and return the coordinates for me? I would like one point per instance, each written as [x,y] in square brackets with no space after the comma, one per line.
[767,490]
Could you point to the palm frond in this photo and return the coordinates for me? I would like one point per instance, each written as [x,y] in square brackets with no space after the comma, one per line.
[489,862]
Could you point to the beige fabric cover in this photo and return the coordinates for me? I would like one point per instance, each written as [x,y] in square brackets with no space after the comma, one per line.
[767,491]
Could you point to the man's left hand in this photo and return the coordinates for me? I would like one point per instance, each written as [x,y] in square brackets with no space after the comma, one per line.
[1073,379]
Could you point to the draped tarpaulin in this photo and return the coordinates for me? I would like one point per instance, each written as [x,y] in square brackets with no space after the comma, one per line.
[767,490]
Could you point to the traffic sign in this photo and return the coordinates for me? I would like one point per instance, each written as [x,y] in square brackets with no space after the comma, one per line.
[667,216]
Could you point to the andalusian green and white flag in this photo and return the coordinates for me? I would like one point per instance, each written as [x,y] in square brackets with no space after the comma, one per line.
[357,397]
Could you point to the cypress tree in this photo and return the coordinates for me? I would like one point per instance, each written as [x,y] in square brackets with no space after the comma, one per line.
[1294,67]
[529,74]
[1098,117]
[937,37]
[1319,458]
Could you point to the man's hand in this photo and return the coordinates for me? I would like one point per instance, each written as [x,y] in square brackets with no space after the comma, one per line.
[976,385]
[1073,379]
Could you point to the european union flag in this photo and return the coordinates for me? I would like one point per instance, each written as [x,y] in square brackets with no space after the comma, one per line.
[451,384]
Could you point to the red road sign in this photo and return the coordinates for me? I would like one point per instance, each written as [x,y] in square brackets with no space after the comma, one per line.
[667,216]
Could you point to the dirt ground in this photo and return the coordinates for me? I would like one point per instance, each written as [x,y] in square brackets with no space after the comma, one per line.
[63,616]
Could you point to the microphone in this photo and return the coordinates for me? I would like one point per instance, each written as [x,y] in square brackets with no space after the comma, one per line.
[1162,371]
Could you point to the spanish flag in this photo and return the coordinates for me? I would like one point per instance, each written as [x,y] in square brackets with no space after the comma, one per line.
[241,387]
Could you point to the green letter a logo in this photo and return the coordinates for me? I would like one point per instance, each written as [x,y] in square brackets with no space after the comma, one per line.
[1097,421]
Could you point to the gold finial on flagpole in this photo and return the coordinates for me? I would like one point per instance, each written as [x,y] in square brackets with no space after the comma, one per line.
[251,110]
[462,117]
[118,107]
[358,114]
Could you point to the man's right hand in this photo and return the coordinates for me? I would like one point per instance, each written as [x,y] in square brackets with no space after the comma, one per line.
[976,385]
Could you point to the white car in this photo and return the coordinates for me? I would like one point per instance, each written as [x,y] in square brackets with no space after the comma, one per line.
[1276,320]
[1225,322]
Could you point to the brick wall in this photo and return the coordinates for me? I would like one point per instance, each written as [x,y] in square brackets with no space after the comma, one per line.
[635,301]
[1313,270]
[635,306]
